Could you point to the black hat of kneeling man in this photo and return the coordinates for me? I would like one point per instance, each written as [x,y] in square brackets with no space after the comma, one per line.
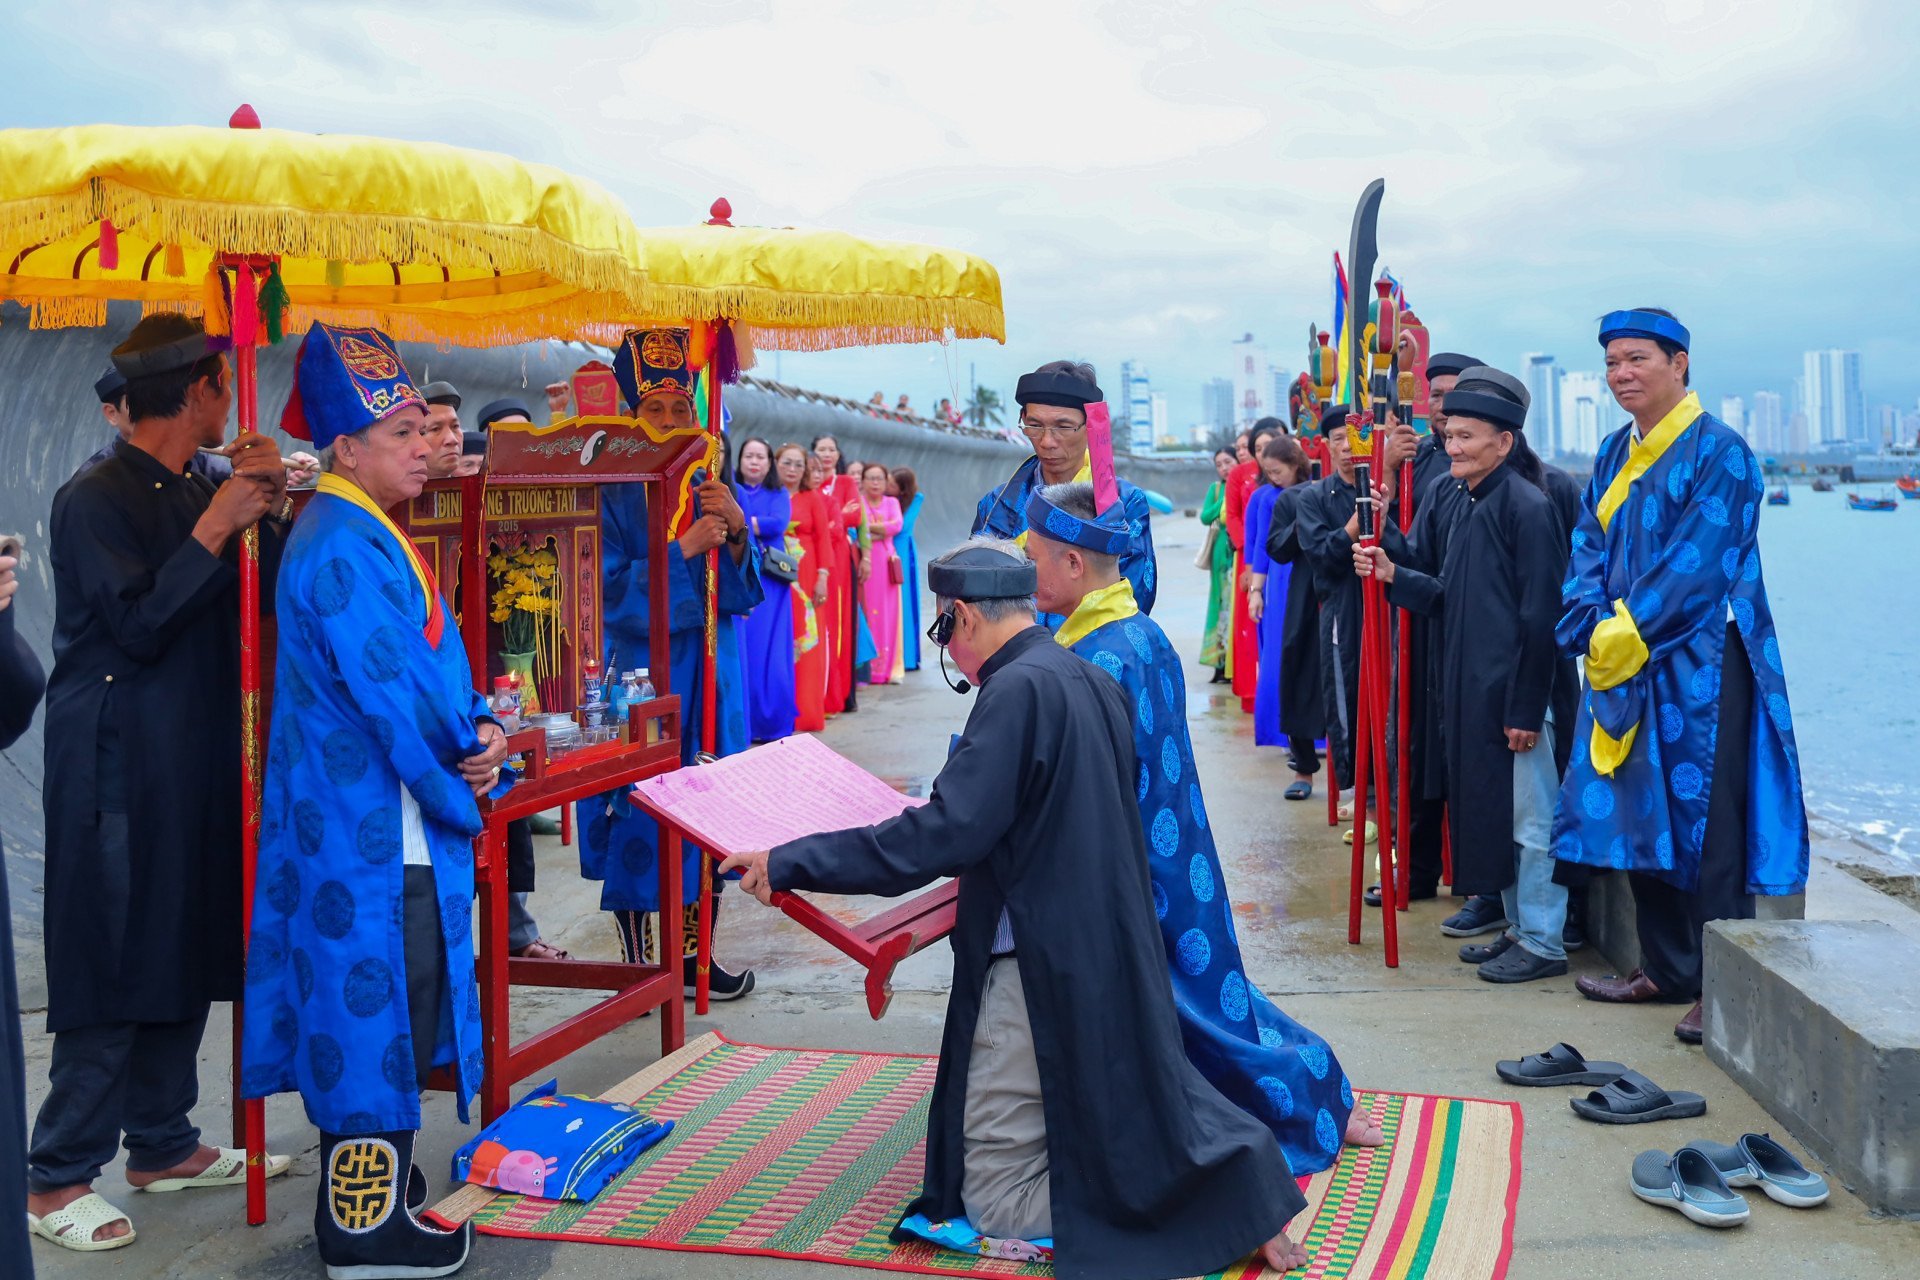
[1333,417]
[1488,394]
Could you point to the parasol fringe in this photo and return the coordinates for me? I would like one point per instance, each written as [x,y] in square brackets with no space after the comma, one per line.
[820,322]
[348,236]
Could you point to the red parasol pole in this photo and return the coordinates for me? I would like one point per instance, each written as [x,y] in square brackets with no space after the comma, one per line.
[709,694]
[249,1114]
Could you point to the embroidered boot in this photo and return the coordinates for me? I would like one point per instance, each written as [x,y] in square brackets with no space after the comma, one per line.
[363,1221]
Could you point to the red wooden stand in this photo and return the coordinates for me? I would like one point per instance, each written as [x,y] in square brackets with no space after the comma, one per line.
[876,945]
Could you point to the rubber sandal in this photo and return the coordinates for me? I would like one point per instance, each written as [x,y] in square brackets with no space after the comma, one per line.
[1561,1064]
[1634,1099]
[541,949]
[1687,1181]
[1299,791]
[73,1227]
[1759,1161]
[229,1169]
[1373,834]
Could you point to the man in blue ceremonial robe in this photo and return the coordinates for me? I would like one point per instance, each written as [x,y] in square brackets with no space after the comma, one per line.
[1684,770]
[1264,1062]
[618,843]
[1053,402]
[360,973]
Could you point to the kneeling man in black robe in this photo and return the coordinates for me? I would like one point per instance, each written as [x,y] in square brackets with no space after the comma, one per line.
[1064,1105]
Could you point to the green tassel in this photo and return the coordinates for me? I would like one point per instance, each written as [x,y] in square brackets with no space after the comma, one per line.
[274,303]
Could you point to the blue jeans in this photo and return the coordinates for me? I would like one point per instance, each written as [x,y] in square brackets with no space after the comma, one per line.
[1534,903]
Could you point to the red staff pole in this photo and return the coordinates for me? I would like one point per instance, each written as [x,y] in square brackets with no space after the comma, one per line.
[1369,742]
[249,1115]
[709,701]
[1403,810]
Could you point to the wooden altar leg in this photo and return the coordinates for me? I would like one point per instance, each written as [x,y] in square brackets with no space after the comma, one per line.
[496,1031]
[673,1014]
[566,825]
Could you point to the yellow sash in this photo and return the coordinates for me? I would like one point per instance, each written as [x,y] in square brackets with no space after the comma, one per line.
[1645,453]
[1096,609]
[347,491]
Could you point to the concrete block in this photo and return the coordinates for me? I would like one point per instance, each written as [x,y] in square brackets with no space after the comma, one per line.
[1612,929]
[1820,1022]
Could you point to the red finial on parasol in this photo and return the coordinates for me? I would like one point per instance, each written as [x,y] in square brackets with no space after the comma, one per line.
[722,213]
[244,117]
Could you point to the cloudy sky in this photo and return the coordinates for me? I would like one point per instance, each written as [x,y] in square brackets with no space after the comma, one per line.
[1155,179]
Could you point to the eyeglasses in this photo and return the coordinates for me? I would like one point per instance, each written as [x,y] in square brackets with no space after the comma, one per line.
[1034,430]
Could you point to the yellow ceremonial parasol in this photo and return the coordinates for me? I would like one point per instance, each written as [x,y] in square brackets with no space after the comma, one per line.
[807,290]
[265,230]
[429,242]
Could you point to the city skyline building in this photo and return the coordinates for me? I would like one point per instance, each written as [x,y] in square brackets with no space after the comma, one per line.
[1216,404]
[1541,373]
[1733,412]
[1586,413]
[1767,423]
[1252,384]
[1831,398]
[1136,402]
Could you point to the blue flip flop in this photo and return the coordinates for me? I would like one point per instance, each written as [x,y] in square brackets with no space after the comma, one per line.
[1759,1161]
[1688,1181]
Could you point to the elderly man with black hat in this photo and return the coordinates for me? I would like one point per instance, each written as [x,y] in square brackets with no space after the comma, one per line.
[1490,561]
[1053,402]
[142,793]
[1065,1112]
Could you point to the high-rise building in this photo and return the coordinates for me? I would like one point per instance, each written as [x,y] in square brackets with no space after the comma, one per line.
[1886,424]
[1733,412]
[1541,373]
[1767,423]
[1836,411]
[1797,441]
[1586,413]
[1252,380]
[1157,420]
[1216,404]
[1136,400]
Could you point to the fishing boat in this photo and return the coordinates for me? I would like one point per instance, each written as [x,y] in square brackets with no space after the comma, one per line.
[1822,485]
[1909,487]
[1778,497]
[1871,502]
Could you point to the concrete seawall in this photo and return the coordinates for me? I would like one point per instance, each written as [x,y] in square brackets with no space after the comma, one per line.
[50,422]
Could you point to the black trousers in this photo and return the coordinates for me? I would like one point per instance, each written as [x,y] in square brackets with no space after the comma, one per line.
[15,1259]
[1426,823]
[1672,921]
[429,1016]
[112,1078]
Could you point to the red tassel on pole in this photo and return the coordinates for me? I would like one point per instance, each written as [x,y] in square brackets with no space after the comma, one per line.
[109,246]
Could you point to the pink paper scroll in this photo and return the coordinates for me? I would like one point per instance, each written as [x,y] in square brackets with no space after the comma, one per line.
[775,792]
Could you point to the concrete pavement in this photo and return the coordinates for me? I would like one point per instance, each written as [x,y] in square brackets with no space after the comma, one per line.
[1430,1026]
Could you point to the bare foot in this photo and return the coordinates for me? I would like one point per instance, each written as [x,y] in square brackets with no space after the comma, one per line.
[1282,1254]
[1364,1131]
[192,1166]
[46,1202]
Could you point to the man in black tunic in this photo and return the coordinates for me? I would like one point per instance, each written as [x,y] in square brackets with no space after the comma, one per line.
[1488,559]
[1064,1104]
[142,782]
[1322,519]
[21,684]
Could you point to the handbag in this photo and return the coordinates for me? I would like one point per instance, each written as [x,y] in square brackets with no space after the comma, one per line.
[896,574]
[778,565]
[1203,559]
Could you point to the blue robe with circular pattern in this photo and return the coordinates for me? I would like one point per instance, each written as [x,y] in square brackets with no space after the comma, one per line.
[1683,552]
[362,706]
[1263,1061]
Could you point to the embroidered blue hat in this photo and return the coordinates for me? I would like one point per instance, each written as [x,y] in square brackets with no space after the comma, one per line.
[1644,324]
[344,381]
[650,360]
[1107,533]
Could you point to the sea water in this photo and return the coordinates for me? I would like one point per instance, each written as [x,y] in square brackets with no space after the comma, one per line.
[1845,589]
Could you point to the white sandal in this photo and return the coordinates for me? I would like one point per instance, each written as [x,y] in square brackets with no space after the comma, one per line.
[73,1227]
[229,1169]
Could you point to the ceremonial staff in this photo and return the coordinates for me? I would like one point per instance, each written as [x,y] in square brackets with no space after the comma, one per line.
[1363,250]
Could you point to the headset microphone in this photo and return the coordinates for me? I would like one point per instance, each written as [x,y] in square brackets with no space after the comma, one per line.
[941,632]
[963,687]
